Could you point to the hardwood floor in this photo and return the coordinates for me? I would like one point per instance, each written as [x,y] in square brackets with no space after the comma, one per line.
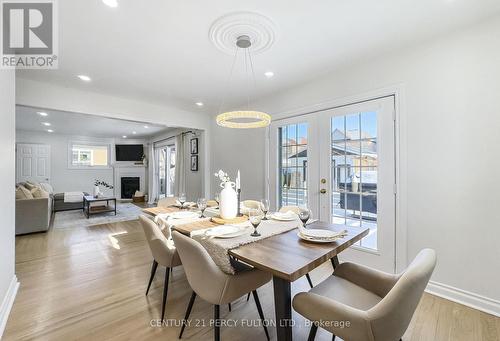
[89,284]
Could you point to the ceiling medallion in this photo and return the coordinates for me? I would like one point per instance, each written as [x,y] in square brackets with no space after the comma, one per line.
[225,31]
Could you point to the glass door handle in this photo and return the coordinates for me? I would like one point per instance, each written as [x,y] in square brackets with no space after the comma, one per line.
[322,191]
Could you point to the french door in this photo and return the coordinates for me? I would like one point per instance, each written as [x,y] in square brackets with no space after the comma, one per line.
[165,156]
[341,162]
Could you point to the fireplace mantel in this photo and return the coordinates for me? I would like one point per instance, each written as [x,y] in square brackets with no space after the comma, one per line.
[129,171]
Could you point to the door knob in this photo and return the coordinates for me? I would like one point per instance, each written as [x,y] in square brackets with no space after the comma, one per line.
[322,191]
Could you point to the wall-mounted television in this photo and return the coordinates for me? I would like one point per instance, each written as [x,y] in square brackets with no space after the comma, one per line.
[129,152]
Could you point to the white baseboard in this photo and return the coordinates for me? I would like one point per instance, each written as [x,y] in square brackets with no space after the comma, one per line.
[7,303]
[467,298]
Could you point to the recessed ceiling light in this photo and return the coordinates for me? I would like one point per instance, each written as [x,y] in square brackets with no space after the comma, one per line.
[134,132]
[269,74]
[84,78]
[146,127]
[124,136]
[47,124]
[50,131]
[42,113]
[200,104]
[111,3]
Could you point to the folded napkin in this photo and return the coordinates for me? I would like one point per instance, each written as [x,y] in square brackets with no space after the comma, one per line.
[166,222]
[186,204]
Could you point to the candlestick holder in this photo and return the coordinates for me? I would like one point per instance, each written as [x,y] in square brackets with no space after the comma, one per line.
[239,201]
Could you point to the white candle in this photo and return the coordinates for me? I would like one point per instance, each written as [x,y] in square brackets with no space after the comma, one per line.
[238,180]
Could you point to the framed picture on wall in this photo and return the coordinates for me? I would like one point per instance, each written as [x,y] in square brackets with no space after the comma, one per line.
[194,163]
[194,145]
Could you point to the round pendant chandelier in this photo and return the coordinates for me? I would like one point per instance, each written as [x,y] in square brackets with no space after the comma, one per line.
[243,119]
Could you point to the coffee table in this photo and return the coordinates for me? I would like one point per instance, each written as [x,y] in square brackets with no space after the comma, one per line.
[88,211]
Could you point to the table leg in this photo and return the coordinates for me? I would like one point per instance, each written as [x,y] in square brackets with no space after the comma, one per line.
[335,262]
[283,308]
[115,206]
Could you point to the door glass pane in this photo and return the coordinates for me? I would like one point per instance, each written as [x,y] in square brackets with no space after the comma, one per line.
[292,164]
[354,173]
[162,161]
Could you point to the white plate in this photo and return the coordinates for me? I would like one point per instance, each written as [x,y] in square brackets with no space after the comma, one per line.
[226,231]
[318,233]
[312,240]
[184,215]
[288,216]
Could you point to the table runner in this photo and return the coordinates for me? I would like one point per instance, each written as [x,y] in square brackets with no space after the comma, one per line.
[218,248]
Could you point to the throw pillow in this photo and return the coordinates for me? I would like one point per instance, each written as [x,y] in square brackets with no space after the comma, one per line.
[29,186]
[39,193]
[25,193]
[47,187]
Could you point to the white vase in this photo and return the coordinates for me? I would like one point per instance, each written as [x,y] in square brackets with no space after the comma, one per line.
[96,191]
[228,201]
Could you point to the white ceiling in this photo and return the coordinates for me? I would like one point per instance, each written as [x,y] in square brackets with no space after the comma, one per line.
[68,123]
[160,51]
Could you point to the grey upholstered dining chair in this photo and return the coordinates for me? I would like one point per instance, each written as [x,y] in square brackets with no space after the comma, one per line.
[213,285]
[164,254]
[378,305]
[167,201]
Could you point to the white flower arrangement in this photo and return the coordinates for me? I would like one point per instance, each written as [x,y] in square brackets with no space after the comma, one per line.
[223,177]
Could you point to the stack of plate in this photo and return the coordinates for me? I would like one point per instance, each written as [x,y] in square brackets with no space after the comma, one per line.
[226,231]
[287,216]
[320,236]
[184,215]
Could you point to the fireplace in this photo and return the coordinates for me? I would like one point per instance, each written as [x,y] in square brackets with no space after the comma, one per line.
[129,185]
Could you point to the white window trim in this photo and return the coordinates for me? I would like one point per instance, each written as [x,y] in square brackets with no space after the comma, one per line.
[87,143]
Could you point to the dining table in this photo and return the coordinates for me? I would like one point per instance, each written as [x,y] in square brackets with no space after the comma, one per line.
[286,256]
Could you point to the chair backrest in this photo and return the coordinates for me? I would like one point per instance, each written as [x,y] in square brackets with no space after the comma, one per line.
[254,204]
[162,250]
[167,201]
[390,318]
[294,209]
[203,275]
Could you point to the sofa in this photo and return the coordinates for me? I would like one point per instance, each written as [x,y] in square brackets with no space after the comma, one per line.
[33,208]
[33,215]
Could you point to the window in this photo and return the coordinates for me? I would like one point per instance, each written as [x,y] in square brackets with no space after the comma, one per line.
[355,172]
[293,164]
[89,155]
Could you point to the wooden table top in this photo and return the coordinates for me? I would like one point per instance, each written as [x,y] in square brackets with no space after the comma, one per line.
[284,255]
[289,257]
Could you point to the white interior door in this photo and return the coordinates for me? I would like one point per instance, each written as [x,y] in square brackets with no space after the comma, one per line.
[342,163]
[33,162]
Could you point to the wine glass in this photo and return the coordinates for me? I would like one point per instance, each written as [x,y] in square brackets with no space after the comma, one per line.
[217,198]
[264,203]
[202,205]
[182,199]
[304,214]
[255,217]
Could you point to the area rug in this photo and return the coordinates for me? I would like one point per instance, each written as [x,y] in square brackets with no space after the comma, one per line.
[76,218]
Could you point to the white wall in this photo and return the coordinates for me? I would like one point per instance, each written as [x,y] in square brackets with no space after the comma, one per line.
[452,101]
[8,282]
[242,149]
[63,178]
[49,96]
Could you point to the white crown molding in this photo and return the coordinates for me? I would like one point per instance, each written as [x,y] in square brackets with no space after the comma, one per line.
[467,298]
[225,31]
[7,303]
